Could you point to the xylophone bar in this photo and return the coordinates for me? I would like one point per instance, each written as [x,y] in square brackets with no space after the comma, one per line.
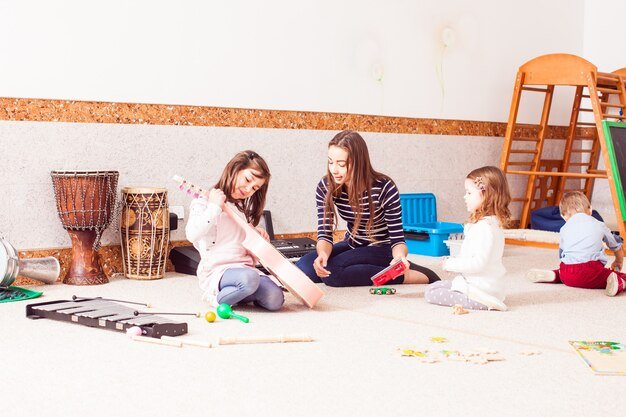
[105,315]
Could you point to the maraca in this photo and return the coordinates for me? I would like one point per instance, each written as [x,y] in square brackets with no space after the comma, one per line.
[226,312]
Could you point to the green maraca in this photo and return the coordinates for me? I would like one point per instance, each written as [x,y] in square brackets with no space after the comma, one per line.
[226,312]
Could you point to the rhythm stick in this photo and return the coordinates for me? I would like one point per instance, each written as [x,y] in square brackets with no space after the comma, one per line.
[175,343]
[188,342]
[270,339]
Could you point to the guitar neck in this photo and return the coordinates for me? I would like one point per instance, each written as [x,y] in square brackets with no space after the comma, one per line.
[194,192]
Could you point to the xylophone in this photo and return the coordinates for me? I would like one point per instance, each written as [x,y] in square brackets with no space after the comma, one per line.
[105,314]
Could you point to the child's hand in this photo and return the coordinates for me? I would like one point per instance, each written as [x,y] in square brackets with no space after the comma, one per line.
[616,265]
[444,259]
[262,232]
[217,197]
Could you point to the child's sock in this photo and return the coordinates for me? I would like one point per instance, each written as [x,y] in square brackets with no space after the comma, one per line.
[614,284]
[541,275]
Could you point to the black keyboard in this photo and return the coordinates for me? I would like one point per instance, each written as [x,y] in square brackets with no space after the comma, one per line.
[187,258]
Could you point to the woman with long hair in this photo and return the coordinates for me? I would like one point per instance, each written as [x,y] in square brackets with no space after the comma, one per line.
[369,202]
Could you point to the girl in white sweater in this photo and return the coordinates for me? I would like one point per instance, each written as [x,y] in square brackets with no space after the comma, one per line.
[480,284]
[226,272]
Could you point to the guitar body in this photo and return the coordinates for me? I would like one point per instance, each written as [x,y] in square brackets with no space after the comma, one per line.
[287,273]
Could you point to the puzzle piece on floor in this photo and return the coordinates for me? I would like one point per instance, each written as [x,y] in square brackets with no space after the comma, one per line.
[458,310]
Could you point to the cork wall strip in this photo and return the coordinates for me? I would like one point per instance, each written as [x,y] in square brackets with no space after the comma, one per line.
[44,110]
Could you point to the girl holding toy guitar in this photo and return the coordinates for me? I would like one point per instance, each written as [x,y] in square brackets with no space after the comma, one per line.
[369,202]
[226,271]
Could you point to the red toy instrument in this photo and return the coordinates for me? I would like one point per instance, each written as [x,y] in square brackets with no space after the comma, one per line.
[389,273]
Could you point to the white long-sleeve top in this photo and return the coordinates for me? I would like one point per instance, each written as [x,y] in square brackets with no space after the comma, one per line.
[219,240]
[480,259]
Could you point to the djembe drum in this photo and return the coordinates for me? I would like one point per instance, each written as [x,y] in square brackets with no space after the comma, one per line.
[85,203]
[144,232]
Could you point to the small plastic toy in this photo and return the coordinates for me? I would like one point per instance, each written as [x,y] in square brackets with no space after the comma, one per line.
[209,316]
[226,312]
[382,291]
[389,273]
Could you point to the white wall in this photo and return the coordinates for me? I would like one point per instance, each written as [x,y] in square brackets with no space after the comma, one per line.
[356,56]
[151,155]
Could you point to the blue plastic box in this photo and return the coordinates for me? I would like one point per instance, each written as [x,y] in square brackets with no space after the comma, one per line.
[424,235]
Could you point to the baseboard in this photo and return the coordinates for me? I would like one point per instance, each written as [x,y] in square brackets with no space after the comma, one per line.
[111,256]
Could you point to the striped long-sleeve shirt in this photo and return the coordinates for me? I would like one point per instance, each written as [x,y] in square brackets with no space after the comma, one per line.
[387,225]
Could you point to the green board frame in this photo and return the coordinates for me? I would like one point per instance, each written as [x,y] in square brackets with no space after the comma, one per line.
[606,127]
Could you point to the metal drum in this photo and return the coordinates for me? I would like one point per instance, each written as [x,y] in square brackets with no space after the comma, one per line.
[144,232]
[46,269]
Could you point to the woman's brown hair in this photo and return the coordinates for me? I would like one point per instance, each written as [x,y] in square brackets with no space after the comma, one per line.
[494,188]
[251,207]
[361,177]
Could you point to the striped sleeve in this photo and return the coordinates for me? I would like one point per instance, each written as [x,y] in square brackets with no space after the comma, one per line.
[390,202]
[324,232]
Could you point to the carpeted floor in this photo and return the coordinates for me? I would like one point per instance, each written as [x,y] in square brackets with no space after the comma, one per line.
[353,368]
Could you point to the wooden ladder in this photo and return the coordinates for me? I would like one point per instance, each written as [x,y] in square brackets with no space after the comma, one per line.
[598,96]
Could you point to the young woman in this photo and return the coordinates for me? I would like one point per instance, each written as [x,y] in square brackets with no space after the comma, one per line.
[369,202]
[226,271]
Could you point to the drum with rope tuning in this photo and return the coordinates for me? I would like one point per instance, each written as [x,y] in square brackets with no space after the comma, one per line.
[144,232]
[85,203]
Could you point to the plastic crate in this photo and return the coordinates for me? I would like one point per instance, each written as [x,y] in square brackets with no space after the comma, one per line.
[425,235]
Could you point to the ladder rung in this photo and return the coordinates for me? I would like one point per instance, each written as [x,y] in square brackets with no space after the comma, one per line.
[580,164]
[613,116]
[514,200]
[597,171]
[526,139]
[589,110]
[556,174]
[582,150]
[539,90]
[608,76]
[585,124]
[620,106]
[608,90]
[533,151]
[585,96]
[518,163]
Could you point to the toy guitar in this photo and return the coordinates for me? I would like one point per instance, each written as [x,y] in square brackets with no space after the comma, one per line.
[287,273]
[389,273]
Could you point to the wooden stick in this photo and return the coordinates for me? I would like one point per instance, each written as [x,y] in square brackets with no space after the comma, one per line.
[175,343]
[188,342]
[270,339]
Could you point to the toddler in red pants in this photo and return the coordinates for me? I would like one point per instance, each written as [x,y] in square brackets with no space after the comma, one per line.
[581,250]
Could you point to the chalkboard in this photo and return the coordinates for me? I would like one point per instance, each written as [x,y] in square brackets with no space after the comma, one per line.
[615,136]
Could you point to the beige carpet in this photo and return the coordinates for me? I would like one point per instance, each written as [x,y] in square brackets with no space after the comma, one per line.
[353,368]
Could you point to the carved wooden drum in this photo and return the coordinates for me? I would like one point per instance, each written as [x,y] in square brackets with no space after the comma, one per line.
[85,204]
[144,232]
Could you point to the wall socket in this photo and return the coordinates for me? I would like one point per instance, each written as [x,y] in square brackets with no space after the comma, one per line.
[179,211]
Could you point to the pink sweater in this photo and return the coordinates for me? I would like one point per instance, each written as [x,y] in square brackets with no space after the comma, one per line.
[219,240]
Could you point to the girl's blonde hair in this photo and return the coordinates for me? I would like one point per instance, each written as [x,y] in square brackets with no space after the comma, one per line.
[494,189]
[574,202]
